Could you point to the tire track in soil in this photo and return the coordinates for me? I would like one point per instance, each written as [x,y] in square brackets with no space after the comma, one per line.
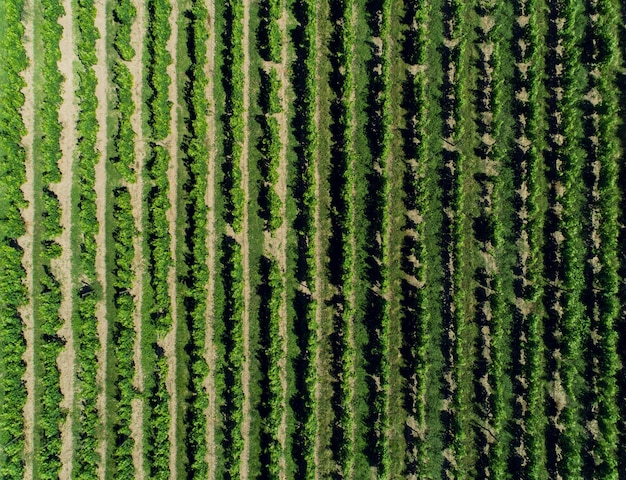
[319,253]
[353,247]
[170,340]
[27,241]
[62,267]
[138,33]
[245,179]
[100,187]
[210,351]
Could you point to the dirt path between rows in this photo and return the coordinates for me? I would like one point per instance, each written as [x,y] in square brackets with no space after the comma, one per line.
[26,241]
[245,179]
[210,352]
[319,254]
[101,69]
[137,34]
[170,340]
[62,267]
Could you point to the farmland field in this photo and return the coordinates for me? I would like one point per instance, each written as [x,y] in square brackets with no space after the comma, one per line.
[312,239]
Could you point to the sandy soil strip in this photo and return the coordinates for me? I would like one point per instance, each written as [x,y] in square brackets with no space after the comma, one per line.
[63,266]
[26,240]
[319,254]
[353,274]
[101,69]
[135,66]
[210,351]
[245,179]
[170,340]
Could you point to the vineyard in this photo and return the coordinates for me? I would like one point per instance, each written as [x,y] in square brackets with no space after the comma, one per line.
[312,239]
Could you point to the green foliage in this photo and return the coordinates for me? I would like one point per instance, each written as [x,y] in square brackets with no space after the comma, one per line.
[123,332]
[197,152]
[86,333]
[270,147]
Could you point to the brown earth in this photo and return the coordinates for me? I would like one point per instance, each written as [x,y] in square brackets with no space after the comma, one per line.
[245,179]
[62,267]
[210,351]
[170,340]
[101,70]
[138,32]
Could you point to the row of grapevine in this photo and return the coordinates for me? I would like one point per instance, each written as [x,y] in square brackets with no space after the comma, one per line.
[86,332]
[377,350]
[492,302]
[12,291]
[307,242]
[196,237]
[270,147]
[567,320]
[453,180]
[274,331]
[271,348]
[158,235]
[602,160]
[229,331]
[124,233]
[342,246]
[416,316]
[49,416]
[528,365]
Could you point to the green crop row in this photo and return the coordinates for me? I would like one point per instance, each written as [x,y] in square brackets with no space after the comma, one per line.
[124,234]
[416,313]
[575,322]
[123,332]
[532,227]
[606,60]
[199,275]
[86,298]
[492,103]
[234,120]
[47,463]
[274,285]
[229,344]
[270,148]
[159,423]
[344,212]
[379,134]
[158,234]
[124,13]
[269,31]
[12,291]
[124,160]
[454,201]
[454,91]
[305,87]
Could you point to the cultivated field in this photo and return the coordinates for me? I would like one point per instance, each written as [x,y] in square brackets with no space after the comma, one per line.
[312,239]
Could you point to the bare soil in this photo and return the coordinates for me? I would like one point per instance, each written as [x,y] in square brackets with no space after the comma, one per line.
[170,340]
[210,351]
[245,176]
[136,191]
[62,267]
[26,240]
[319,256]
[101,70]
